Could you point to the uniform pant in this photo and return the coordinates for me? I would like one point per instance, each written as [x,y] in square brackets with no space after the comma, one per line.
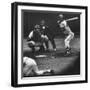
[68,39]
[51,39]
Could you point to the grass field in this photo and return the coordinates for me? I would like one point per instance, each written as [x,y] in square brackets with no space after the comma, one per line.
[56,60]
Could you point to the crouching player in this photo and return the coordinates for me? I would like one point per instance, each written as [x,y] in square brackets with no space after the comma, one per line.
[35,38]
[30,68]
[67,31]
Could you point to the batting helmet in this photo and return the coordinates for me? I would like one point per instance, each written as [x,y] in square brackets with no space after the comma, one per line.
[61,16]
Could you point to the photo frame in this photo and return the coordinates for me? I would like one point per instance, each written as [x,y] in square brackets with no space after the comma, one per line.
[31,65]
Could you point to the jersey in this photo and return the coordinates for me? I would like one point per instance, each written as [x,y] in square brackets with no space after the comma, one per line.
[29,61]
[64,26]
[35,36]
[29,66]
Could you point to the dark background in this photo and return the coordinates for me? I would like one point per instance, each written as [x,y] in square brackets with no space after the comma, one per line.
[32,17]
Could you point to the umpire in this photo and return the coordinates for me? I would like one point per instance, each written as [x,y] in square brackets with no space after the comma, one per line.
[46,31]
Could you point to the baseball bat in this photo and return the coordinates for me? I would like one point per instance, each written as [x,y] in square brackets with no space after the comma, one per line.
[71,19]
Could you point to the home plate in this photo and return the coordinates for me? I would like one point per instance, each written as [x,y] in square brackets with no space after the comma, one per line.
[41,56]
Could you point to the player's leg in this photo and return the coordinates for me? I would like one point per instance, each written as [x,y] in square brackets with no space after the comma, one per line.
[45,42]
[31,44]
[41,72]
[42,49]
[27,70]
[47,45]
[53,44]
[51,38]
[67,43]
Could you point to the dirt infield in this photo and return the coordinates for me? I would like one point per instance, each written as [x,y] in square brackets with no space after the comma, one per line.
[61,64]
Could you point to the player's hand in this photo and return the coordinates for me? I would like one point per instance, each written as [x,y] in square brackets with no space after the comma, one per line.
[58,21]
[44,37]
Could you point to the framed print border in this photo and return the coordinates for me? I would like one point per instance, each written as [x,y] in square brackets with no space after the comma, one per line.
[14,43]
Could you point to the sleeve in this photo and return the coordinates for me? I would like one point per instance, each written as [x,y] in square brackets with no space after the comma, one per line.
[30,35]
[58,21]
[63,24]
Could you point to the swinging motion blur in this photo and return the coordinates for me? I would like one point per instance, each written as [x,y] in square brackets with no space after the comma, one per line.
[51,43]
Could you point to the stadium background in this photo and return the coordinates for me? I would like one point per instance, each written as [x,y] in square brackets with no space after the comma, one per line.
[31,18]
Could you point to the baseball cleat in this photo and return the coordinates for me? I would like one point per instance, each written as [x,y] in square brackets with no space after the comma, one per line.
[54,49]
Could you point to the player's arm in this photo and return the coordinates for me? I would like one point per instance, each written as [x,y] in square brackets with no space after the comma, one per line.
[40,72]
[58,21]
[30,36]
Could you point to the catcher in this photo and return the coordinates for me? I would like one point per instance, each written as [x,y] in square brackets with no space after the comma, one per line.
[36,39]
